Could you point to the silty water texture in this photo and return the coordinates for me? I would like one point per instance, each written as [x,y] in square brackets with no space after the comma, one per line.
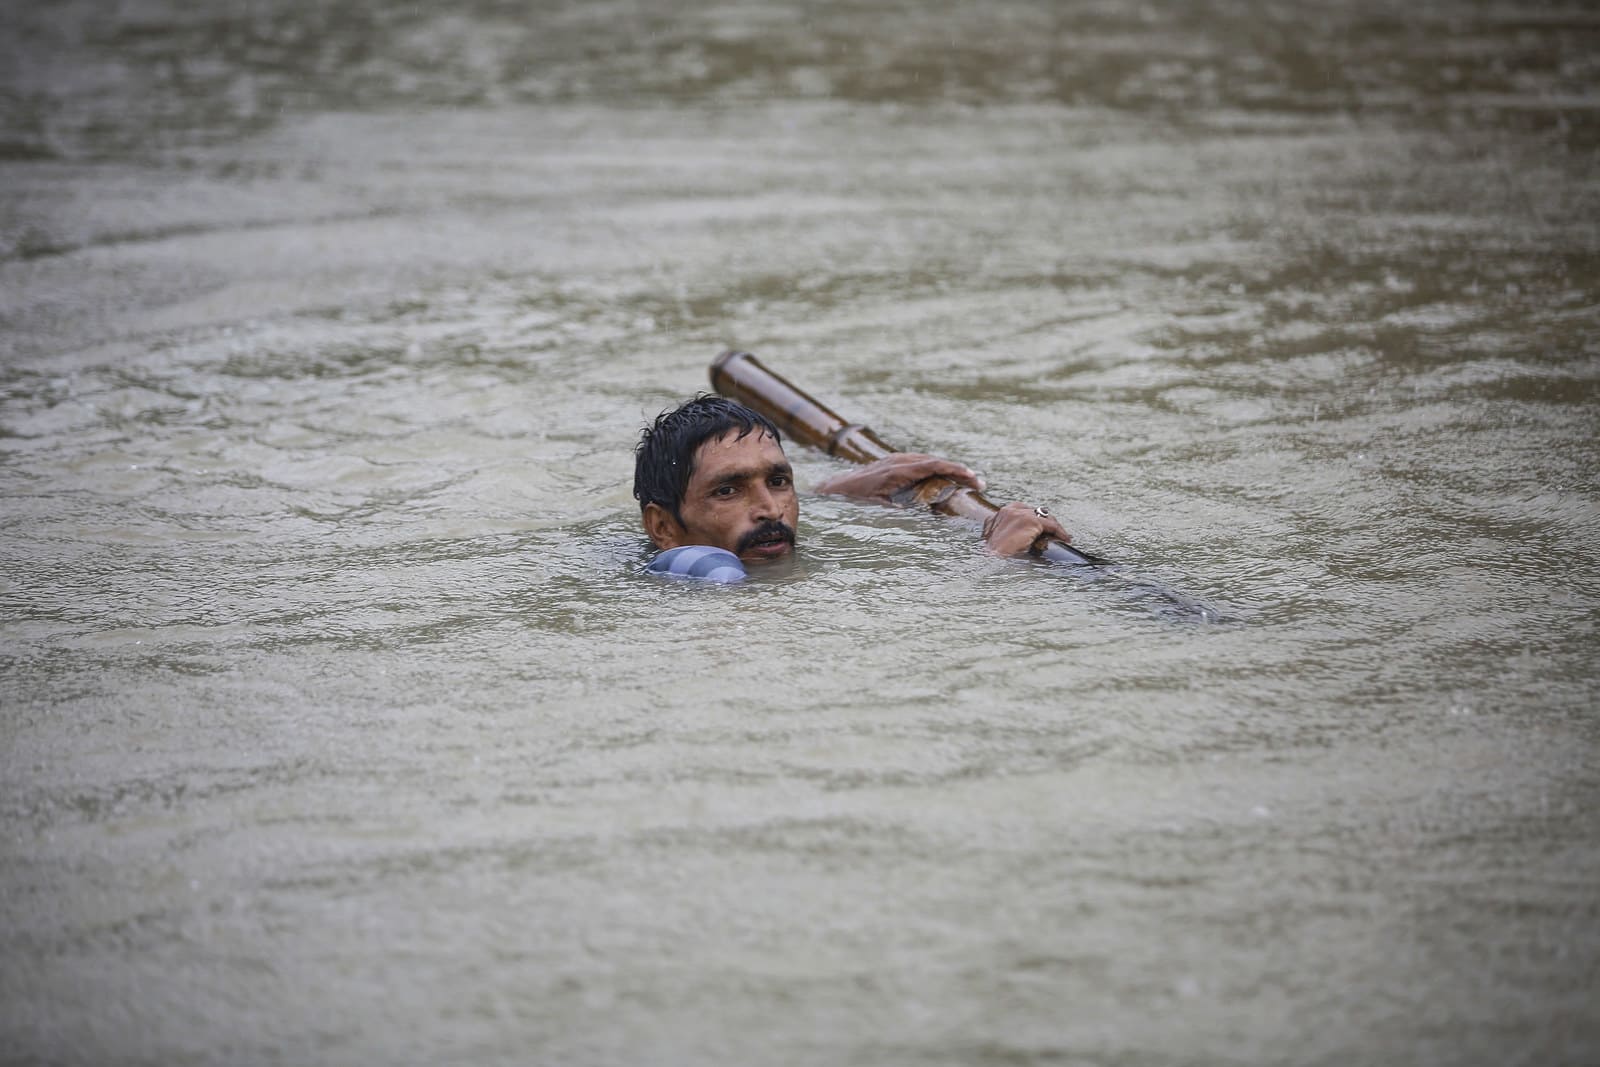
[338,725]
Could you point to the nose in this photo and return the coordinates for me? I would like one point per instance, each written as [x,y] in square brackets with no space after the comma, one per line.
[765,505]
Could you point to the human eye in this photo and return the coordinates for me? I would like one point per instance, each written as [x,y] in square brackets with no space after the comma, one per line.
[780,481]
[724,490]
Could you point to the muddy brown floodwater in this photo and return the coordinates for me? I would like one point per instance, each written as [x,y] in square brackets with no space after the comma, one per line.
[338,724]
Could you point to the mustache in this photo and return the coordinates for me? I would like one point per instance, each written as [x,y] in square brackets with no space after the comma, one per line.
[767,531]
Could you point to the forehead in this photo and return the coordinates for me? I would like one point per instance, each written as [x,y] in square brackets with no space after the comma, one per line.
[755,450]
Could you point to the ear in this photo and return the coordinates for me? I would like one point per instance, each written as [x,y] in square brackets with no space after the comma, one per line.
[663,530]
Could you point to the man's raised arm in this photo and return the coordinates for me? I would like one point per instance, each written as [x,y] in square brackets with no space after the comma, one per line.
[1015,530]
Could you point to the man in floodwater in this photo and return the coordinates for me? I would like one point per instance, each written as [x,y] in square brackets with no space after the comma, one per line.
[717,492]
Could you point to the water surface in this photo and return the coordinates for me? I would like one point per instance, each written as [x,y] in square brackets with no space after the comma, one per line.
[339,725]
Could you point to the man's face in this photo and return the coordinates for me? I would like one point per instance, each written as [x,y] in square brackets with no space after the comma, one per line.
[741,497]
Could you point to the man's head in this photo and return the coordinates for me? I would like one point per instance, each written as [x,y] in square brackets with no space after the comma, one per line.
[713,472]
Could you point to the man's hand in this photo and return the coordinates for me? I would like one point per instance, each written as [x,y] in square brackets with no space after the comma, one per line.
[879,481]
[1020,529]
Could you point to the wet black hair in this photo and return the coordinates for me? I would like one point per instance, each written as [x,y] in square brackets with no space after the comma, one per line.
[664,460]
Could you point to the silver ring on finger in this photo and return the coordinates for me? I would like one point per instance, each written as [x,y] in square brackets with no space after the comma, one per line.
[1042,512]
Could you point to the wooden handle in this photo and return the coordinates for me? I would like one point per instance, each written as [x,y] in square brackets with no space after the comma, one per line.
[740,376]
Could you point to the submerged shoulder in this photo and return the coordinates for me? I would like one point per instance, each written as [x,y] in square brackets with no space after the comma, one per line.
[698,561]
